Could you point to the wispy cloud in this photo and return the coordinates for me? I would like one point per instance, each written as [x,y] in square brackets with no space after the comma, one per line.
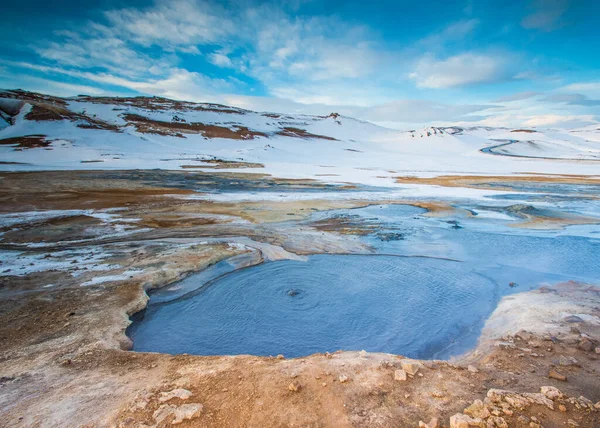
[459,70]
[517,97]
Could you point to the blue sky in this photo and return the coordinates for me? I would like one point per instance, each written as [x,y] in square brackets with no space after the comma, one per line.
[401,63]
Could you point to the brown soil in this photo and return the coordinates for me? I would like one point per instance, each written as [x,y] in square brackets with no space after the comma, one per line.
[485,181]
[26,142]
[178,129]
[301,133]
[224,164]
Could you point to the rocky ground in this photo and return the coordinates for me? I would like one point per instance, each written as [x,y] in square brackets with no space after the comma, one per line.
[78,273]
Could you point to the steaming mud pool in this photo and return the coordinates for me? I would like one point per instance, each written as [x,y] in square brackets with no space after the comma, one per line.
[426,294]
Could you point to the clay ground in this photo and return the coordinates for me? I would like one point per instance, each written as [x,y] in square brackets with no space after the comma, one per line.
[64,359]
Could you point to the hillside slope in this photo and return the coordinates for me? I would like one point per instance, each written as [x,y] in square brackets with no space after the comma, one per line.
[40,132]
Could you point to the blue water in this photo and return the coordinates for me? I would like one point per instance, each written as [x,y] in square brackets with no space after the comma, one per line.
[426,293]
[412,306]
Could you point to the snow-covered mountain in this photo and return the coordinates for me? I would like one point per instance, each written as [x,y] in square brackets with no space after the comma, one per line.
[41,132]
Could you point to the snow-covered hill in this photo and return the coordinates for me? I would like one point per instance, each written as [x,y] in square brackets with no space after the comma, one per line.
[39,132]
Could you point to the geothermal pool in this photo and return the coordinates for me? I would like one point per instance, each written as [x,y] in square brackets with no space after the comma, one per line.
[410,305]
[426,293]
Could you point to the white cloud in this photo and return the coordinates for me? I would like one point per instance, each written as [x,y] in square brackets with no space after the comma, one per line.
[220,60]
[178,25]
[517,97]
[591,89]
[459,70]
[451,33]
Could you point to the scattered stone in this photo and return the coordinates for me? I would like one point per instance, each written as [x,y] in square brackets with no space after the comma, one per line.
[463,421]
[280,357]
[572,423]
[477,410]
[553,374]
[497,422]
[182,394]
[523,419]
[539,398]
[551,392]
[524,335]
[400,375]
[534,425]
[343,378]
[433,423]
[411,367]
[572,318]
[586,345]
[363,354]
[181,413]
[472,369]
[597,405]
[513,399]
[437,394]
[565,361]
[597,349]
[294,387]
[585,402]
[562,408]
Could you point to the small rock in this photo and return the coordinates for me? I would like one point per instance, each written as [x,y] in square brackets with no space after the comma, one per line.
[433,423]
[551,392]
[498,422]
[524,335]
[562,408]
[534,425]
[182,394]
[463,421]
[572,318]
[523,419]
[363,354]
[294,387]
[540,399]
[565,361]
[411,367]
[597,405]
[343,378]
[572,423]
[553,374]
[280,357]
[597,349]
[324,384]
[400,375]
[477,410]
[586,345]
[181,413]
[472,369]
